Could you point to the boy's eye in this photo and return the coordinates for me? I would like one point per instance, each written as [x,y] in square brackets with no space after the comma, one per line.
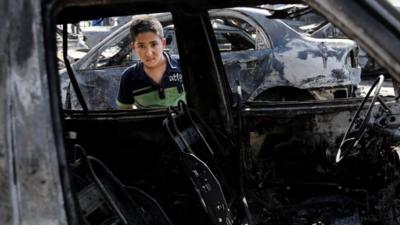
[154,44]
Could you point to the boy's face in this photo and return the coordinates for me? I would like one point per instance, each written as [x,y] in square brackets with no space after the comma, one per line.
[149,47]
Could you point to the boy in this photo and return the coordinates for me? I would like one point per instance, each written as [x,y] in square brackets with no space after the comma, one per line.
[155,81]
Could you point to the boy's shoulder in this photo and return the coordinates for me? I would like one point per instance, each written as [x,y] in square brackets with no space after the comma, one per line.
[133,72]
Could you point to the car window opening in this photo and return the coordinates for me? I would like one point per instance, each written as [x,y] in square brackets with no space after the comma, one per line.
[112,53]
[316,135]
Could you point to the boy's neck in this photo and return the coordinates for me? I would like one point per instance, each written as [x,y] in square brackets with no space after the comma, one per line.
[156,73]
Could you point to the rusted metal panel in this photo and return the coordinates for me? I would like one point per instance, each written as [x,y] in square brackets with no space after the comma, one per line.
[31,187]
[248,67]
[99,88]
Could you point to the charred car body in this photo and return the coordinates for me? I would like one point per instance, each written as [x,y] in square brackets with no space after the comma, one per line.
[269,59]
[215,161]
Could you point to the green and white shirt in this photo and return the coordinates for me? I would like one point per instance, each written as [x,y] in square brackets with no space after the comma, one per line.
[137,88]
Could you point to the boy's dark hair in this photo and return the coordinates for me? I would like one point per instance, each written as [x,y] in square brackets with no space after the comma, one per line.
[145,23]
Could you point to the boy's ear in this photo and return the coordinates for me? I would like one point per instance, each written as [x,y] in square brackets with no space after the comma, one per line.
[164,42]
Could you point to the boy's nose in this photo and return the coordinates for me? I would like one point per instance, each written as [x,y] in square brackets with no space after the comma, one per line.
[149,52]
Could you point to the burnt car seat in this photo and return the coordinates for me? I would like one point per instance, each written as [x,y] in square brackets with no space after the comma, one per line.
[103,199]
[201,155]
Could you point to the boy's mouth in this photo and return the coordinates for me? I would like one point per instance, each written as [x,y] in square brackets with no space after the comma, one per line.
[150,60]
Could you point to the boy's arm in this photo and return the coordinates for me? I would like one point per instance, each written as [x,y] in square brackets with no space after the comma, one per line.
[123,106]
[125,99]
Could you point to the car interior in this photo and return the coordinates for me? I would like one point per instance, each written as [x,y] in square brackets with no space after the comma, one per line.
[220,159]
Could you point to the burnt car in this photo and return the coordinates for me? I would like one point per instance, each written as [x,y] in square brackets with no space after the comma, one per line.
[270,60]
[216,159]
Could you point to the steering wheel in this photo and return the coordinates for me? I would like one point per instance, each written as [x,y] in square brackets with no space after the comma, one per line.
[359,123]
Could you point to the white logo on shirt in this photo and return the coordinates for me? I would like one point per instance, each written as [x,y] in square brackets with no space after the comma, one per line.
[175,77]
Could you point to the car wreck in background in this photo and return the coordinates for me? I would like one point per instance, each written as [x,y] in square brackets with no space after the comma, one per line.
[216,160]
[369,66]
[77,47]
[266,57]
[306,20]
